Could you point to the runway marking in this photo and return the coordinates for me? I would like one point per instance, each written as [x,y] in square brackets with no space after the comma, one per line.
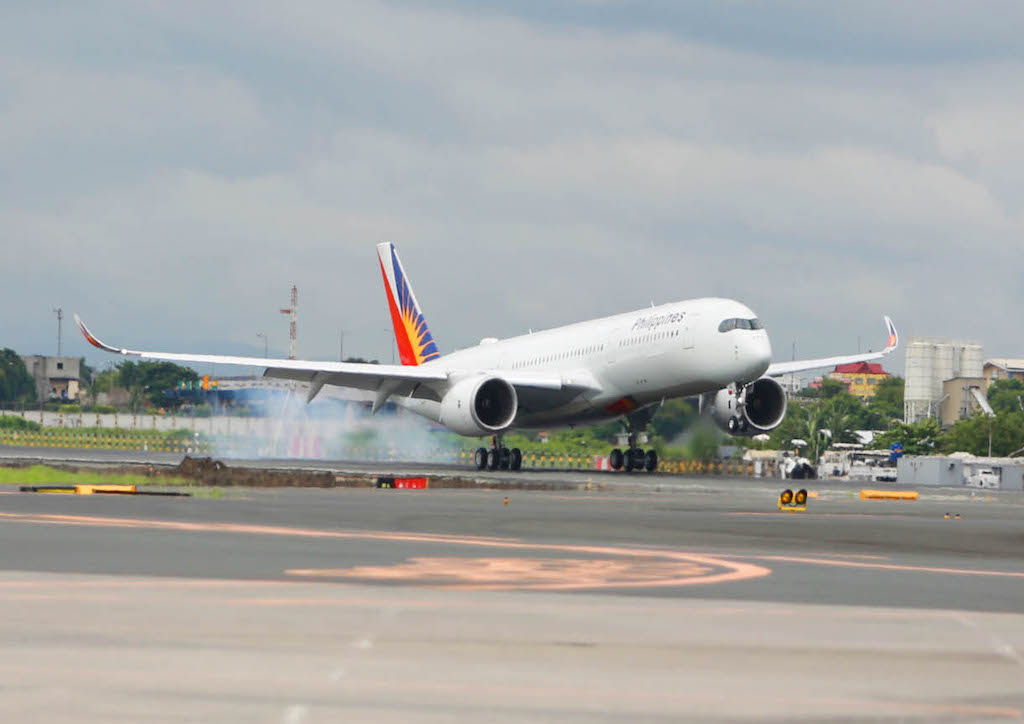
[143,523]
[891,566]
[629,568]
[523,573]
[687,565]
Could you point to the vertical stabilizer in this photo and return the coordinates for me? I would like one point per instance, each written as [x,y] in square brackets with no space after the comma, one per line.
[415,343]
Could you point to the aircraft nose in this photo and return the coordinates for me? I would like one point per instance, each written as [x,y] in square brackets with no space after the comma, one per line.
[759,351]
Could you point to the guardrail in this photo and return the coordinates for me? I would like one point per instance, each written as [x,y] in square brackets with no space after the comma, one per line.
[91,441]
[134,441]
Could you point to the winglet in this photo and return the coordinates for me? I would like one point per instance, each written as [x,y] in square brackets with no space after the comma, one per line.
[894,337]
[93,340]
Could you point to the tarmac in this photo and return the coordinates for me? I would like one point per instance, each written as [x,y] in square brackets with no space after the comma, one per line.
[658,598]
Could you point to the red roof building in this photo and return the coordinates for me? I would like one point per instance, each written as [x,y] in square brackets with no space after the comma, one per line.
[861,378]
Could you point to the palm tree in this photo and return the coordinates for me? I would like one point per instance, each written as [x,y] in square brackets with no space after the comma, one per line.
[812,419]
[839,422]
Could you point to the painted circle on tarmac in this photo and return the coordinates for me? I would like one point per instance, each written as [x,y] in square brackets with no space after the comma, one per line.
[626,570]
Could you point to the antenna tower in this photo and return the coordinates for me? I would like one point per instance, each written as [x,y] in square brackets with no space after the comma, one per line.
[293,315]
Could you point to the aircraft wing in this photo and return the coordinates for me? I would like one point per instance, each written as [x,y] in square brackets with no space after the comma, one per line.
[785,368]
[387,380]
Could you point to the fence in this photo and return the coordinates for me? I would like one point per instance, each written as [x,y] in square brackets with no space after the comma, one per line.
[71,438]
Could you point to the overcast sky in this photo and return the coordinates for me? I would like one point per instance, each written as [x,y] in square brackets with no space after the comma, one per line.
[168,170]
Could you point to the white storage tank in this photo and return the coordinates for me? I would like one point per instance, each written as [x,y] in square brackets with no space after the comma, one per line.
[972,361]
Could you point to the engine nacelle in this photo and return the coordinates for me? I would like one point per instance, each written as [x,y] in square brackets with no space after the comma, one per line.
[757,408]
[479,406]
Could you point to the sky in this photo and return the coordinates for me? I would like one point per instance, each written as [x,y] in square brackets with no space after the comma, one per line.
[169,170]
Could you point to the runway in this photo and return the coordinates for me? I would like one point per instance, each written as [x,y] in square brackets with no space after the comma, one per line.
[658,598]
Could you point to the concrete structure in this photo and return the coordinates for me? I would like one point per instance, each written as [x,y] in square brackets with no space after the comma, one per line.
[1003,369]
[959,470]
[958,402]
[57,378]
[861,378]
[930,362]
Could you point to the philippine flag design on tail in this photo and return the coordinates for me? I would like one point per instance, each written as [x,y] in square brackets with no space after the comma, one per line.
[415,343]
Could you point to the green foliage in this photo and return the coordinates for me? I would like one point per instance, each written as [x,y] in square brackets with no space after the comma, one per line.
[10,422]
[701,441]
[85,373]
[149,380]
[921,438]
[887,404]
[1006,395]
[45,475]
[673,418]
[16,384]
[972,435]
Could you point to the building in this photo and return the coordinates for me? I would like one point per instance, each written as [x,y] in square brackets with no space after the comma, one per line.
[57,378]
[1003,369]
[930,362]
[861,378]
[962,397]
[961,469]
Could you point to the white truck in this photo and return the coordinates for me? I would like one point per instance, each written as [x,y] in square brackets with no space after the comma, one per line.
[983,478]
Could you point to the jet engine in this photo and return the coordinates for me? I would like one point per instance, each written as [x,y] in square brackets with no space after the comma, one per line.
[750,410]
[479,406]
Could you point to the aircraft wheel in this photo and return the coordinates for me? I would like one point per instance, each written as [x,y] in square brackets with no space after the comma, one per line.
[801,497]
[493,459]
[787,497]
[651,461]
[615,460]
[810,473]
[505,461]
[516,459]
[480,458]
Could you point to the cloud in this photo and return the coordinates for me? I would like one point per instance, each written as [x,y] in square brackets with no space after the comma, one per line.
[170,172]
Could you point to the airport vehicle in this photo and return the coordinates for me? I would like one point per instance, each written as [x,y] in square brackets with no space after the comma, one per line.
[795,467]
[618,367]
[983,478]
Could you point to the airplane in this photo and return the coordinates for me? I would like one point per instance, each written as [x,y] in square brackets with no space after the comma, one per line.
[619,367]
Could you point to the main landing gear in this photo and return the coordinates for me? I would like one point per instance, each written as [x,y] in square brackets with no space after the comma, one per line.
[634,458]
[498,457]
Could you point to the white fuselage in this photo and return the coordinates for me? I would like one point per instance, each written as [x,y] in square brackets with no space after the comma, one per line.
[629,360]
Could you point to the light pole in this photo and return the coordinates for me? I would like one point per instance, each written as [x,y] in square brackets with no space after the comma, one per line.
[266,348]
[60,318]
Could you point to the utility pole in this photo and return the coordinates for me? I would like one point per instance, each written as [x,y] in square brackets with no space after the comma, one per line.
[293,314]
[341,345]
[60,318]
[266,348]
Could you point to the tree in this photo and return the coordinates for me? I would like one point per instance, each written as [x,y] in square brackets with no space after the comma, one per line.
[887,403]
[828,389]
[16,384]
[1006,431]
[673,418]
[1006,395]
[838,419]
[149,380]
[85,373]
[921,438]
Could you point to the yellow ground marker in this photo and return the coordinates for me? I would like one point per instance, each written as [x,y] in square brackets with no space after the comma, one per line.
[79,489]
[889,495]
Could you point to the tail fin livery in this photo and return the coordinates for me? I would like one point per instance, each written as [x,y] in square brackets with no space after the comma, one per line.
[415,343]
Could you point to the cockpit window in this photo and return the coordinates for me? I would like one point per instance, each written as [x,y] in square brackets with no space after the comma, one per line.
[728,325]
